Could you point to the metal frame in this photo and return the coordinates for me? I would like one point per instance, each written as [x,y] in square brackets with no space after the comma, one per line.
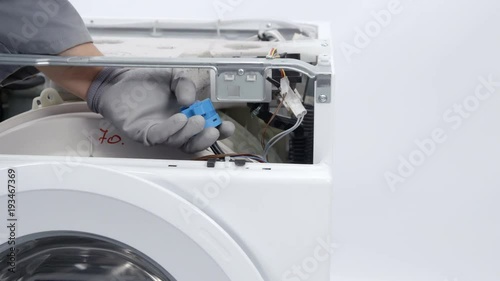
[219,65]
[211,63]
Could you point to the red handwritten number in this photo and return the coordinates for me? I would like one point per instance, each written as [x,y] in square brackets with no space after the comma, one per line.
[103,138]
[112,140]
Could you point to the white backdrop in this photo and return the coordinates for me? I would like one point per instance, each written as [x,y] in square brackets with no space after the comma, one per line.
[410,95]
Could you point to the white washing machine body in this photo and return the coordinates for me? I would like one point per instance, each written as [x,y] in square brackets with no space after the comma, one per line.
[73,206]
[225,223]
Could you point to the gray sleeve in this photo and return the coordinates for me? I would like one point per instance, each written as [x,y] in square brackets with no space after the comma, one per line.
[44,27]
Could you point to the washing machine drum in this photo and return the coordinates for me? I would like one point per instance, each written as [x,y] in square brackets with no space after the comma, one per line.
[78,256]
[98,224]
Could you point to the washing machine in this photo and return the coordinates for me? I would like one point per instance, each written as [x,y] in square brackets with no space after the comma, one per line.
[80,201]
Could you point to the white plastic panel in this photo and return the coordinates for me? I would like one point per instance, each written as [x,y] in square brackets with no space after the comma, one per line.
[111,204]
[71,130]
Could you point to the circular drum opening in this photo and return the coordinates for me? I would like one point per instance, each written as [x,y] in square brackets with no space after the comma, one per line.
[71,256]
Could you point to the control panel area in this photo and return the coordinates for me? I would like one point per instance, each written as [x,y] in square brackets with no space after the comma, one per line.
[240,85]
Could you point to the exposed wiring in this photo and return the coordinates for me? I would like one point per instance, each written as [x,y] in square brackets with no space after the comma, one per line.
[263,136]
[213,151]
[233,155]
[281,135]
[216,149]
[274,82]
[216,156]
[273,53]
[219,148]
[254,158]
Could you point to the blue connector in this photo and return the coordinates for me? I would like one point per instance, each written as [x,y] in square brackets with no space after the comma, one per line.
[206,109]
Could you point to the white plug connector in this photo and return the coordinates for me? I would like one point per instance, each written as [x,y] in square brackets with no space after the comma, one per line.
[292,98]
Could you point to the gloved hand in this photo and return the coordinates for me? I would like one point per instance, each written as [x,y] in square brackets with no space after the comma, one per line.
[145,104]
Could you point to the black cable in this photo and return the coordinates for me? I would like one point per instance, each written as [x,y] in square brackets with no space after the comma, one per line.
[216,144]
[274,82]
[216,149]
[305,92]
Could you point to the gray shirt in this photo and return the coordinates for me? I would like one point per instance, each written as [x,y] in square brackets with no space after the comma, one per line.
[42,27]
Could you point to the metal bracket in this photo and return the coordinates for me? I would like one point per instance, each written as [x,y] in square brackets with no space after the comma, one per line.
[211,63]
[323,88]
[321,73]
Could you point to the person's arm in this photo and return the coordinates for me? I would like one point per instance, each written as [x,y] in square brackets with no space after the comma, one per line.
[49,27]
[76,80]
[142,103]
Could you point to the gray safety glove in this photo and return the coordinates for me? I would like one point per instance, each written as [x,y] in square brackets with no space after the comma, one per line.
[145,105]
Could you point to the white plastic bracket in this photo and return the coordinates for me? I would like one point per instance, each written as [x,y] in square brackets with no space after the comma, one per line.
[48,97]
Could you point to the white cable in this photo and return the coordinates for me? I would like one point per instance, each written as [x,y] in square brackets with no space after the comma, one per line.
[281,135]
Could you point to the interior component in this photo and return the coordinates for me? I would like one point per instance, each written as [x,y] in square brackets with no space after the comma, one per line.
[293,76]
[244,74]
[263,136]
[203,108]
[238,159]
[25,84]
[216,149]
[292,99]
[71,130]
[273,35]
[279,136]
[18,96]
[48,97]
[240,84]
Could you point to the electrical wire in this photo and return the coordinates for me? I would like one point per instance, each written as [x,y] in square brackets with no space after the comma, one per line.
[281,135]
[274,82]
[254,158]
[220,148]
[263,136]
[232,155]
[216,148]
[273,53]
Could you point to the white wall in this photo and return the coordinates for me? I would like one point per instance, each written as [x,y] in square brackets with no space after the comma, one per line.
[442,222]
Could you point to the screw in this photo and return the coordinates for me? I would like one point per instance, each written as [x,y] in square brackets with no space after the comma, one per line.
[256,111]
[324,44]
[322,98]
[241,72]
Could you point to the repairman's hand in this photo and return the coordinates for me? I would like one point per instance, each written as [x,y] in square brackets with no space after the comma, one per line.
[145,104]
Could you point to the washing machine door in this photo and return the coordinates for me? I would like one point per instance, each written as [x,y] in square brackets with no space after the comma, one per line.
[101,225]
